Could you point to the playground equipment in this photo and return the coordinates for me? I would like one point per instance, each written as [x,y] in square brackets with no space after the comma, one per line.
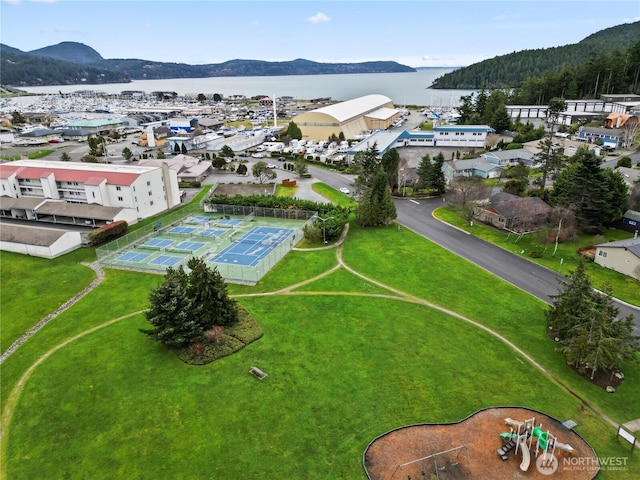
[445,463]
[520,437]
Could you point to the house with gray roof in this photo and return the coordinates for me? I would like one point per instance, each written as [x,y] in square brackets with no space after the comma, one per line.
[507,158]
[476,167]
[608,137]
[623,256]
[38,241]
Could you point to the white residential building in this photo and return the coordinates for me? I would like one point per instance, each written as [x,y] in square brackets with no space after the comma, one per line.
[146,190]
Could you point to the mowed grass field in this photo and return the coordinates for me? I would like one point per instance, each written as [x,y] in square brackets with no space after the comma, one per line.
[345,364]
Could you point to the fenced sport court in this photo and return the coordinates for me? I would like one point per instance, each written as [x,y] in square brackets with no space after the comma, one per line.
[243,243]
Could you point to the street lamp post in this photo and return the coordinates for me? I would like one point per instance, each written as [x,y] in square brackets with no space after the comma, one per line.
[324,235]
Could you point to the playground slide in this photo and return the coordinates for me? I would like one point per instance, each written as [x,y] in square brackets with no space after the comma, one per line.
[564,446]
[526,456]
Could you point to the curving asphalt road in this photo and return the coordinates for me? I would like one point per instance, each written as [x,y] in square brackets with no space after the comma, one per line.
[529,276]
[519,271]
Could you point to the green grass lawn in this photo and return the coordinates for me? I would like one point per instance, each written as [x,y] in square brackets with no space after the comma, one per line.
[565,259]
[342,370]
[282,191]
[333,195]
[43,286]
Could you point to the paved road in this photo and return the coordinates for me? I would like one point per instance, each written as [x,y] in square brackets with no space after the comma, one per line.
[519,271]
[530,277]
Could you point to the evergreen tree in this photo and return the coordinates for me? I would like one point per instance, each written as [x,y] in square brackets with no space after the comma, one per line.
[170,312]
[390,162]
[600,339]
[17,118]
[368,163]
[571,305]
[65,157]
[208,292]
[424,172]
[436,181]
[500,120]
[375,206]
[597,197]
[185,305]
[300,167]
[293,131]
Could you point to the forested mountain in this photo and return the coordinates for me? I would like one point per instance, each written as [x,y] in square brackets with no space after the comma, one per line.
[74,63]
[20,70]
[508,71]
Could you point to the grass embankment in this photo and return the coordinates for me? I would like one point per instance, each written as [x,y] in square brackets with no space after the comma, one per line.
[333,195]
[564,261]
[341,371]
[282,191]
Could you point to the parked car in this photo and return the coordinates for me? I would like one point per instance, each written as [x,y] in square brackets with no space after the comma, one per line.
[271,165]
[257,155]
[281,159]
[344,190]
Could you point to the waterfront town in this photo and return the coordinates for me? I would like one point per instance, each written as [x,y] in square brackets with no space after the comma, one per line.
[140,132]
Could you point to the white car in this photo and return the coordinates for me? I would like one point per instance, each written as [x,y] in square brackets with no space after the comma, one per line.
[271,165]
[257,155]
[345,190]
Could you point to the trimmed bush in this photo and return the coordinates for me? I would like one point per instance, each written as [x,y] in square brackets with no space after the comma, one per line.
[107,232]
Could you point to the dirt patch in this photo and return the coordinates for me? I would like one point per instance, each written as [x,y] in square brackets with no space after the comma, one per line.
[244,189]
[588,252]
[479,437]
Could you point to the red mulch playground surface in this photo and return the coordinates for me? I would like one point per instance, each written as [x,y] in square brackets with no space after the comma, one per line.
[395,455]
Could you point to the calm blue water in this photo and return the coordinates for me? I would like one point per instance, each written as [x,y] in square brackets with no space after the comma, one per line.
[403,88]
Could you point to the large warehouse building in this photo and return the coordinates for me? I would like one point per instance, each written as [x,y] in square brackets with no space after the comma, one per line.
[352,117]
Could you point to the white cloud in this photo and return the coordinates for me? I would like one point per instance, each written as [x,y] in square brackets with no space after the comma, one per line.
[318,18]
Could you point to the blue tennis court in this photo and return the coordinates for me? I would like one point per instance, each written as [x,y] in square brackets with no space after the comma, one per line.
[253,246]
[134,257]
[199,219]
[228,222]
[189,246]
[167,260]
[183,230]
[212,232]
[157,243]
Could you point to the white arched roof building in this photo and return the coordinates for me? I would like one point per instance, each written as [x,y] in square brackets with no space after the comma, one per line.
[351,117]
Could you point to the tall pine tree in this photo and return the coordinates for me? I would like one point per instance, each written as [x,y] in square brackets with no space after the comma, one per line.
[186,305]
[585,323]
[375,206]
[597,197]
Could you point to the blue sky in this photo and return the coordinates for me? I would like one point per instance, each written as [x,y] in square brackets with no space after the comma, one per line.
[415,33]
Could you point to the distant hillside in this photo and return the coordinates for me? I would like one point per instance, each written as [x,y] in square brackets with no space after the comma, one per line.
[19,69]
[507,71]
[67,60]
[73,52]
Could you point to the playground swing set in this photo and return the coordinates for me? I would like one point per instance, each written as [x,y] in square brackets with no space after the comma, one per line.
[520,438]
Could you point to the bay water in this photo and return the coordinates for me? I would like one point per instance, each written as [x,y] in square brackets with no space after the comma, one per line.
[407,88]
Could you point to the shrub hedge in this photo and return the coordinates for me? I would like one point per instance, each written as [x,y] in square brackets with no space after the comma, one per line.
[107,232]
